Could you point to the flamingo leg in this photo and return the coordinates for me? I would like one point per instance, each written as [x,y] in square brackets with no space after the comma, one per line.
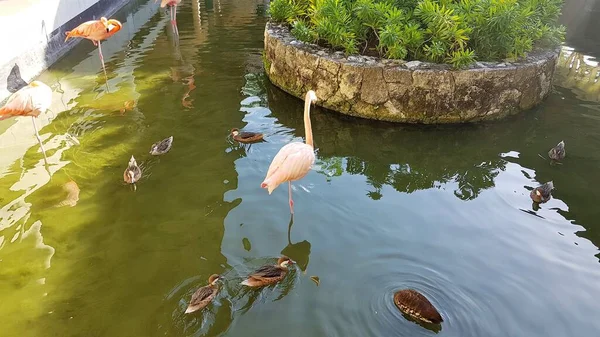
[102,60]
[290,195]
[174,22]
[37,135]
[101,57]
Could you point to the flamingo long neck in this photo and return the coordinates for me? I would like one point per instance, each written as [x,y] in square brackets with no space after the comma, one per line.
[307,125]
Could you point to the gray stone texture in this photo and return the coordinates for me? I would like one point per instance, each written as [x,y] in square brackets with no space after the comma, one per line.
[409,92]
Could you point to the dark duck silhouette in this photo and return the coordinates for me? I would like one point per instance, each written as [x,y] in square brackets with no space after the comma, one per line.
[161,147]
[246,136]
[557,153]
[268,274]
[204,295]
[415,305]
[542,193]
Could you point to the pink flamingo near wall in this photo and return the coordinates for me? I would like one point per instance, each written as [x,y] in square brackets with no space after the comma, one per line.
[294,160]
[96,31]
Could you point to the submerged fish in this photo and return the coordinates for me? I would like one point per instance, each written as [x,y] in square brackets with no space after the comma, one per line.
[72,194]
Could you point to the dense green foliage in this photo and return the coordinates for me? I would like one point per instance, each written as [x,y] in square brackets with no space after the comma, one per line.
[452,31]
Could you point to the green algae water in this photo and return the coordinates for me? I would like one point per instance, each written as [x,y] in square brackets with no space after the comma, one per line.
[444,210]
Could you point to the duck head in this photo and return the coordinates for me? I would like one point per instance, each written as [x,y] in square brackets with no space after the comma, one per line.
[284,261]
[213,279]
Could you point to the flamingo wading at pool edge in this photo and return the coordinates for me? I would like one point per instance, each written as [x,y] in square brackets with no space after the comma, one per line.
[96,30]
[294,160]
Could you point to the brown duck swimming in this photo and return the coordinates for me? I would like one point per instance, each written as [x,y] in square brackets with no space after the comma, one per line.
[557,153]
[133,173]
[246,136]
[203,296]
[414,304]
[542,193]
[269,274]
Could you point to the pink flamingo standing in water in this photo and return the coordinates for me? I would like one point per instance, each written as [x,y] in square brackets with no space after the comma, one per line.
[96,31]
[294,160]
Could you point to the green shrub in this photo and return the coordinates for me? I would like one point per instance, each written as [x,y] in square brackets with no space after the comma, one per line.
[457,32]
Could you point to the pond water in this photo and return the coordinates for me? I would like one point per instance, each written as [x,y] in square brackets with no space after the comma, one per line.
[444,210]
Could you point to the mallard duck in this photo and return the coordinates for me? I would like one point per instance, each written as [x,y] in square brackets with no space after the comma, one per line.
[268,274]
[542,193]
[246,136]
[133,173]
[161,147]
[204,295]
[414,304]
[558,152]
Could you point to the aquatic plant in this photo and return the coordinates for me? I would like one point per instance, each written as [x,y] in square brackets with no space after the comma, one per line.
[457,32]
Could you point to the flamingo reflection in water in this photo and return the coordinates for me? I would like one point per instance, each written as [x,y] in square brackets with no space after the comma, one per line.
[31,100]
[185,73]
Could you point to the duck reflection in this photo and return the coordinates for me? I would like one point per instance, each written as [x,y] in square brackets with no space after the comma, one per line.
[435,328]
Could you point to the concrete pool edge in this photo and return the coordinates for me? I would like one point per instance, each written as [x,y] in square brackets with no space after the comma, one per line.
[49,47]
[406,92]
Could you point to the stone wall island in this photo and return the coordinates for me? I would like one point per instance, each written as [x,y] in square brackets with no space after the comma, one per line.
[409,92]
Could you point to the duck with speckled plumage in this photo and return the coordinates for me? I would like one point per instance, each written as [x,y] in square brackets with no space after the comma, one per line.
[204,295]
[269,274]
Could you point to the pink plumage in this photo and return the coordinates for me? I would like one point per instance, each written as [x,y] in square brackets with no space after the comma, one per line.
[294,160]
[165,3]
[291,163]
